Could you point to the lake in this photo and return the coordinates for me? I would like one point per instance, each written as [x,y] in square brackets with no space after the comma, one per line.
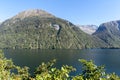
[32,58]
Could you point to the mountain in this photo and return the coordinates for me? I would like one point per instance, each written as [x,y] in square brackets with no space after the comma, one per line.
[0,22]
[109,32]
[89,29]
[38,29]
[33,12]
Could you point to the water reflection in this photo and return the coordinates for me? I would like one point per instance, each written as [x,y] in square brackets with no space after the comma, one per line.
[32,58]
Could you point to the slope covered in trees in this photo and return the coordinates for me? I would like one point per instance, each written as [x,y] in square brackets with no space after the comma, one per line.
[109,32]
[37,29]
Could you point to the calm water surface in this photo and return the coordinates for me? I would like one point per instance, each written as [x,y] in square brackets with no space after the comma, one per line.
[32,58]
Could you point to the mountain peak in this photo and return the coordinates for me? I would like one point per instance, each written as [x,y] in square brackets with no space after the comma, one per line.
[33,12]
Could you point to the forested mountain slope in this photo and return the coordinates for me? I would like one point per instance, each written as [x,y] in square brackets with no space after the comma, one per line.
[110,33]
[37,29]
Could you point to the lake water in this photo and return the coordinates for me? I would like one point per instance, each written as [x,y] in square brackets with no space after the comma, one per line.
[32,58]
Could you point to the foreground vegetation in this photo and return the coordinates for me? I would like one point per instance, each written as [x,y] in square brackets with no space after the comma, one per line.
[46,71]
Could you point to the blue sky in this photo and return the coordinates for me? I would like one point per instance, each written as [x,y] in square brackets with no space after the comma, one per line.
[77,11]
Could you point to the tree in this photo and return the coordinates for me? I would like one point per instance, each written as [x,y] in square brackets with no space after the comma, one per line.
[91,71]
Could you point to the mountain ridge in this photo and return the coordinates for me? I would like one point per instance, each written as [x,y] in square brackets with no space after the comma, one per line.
[43,32]
[33,12]
[89,29]
[109,32]
[38,29]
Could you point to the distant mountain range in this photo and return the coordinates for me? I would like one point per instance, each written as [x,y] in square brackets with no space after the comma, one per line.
[38,29]
[89,29]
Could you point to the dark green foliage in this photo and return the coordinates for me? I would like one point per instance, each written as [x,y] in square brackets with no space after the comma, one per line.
[43,33]
[6,68]
[41,30]
[45,67]
[91,71]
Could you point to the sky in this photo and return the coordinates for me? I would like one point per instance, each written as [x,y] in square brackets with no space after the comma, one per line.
[83,12]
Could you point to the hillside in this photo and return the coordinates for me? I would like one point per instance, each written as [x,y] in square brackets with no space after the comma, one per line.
[37,29]
[110,33]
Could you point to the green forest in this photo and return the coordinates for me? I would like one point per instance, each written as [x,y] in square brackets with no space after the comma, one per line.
[45,33]
[47,71]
